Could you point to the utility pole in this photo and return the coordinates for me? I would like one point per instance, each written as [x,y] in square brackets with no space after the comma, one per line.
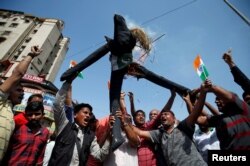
[237,12]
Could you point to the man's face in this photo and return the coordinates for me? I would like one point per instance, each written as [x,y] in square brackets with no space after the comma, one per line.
[220,104]
[167,119]
[153,114]
[139,118]
[16,94]
[82,117]
[34,117]
[247,99]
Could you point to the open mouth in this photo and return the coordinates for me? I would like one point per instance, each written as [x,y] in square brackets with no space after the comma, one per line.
[163,120]
[86,121]
[219,106]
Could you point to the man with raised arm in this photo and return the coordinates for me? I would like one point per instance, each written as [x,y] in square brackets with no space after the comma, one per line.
[232,126]
[176,138]
[239,77]
[75,141]
[11,93]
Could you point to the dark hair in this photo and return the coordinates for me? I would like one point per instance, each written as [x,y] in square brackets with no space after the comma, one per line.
[33,96]
[168,111]
[34,106]
[138,111]
[78,107]
[92,119]
[245,93]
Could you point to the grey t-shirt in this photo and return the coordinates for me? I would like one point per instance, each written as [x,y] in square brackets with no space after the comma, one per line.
[178,147]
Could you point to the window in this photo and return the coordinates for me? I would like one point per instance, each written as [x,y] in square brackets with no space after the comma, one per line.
[2,39]
[15,57]
[14,19]
[6,33]
[13,25]
[35,30]
[26,20]
[27,39]
[4,16]
[22,48]
[39,62]
[2,24]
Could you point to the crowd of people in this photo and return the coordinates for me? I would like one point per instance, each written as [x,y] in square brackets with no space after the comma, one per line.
[81,139]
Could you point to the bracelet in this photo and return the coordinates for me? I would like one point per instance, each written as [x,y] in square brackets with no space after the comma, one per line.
[31,55]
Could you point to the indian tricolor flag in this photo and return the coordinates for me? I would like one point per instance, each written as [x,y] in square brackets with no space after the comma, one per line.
[200,68]
[72,64]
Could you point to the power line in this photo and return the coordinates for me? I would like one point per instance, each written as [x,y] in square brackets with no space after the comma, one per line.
[242,16]
[167,12]
[85,49]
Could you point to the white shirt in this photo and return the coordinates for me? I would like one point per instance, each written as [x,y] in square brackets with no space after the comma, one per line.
[48,151]
[124,155]
[206,141]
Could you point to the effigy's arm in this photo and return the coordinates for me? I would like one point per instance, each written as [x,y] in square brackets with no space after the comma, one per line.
[139,71]
[92,58]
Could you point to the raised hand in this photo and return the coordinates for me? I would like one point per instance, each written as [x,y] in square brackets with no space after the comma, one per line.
[131,96]
[35,51]
[121,116]
[186,98]
[122,95]
[206,85]
[227,57]
[111,121]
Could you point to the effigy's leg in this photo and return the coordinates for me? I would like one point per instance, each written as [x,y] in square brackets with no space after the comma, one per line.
[121,56]
[141,72]
[114,97]
[92,58]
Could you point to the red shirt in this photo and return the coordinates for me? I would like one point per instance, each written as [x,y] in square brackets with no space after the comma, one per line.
[146,152]
[26,147]
[20,119]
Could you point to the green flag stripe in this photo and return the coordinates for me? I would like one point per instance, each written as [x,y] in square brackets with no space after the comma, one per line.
[204,74]
[203,77]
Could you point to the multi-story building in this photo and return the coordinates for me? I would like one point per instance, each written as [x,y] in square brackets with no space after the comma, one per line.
[20,31]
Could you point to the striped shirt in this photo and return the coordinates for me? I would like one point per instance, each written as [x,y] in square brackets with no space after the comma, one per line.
[233,126]
[6,123]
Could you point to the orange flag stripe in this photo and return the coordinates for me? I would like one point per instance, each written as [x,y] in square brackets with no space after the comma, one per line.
[197,62]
